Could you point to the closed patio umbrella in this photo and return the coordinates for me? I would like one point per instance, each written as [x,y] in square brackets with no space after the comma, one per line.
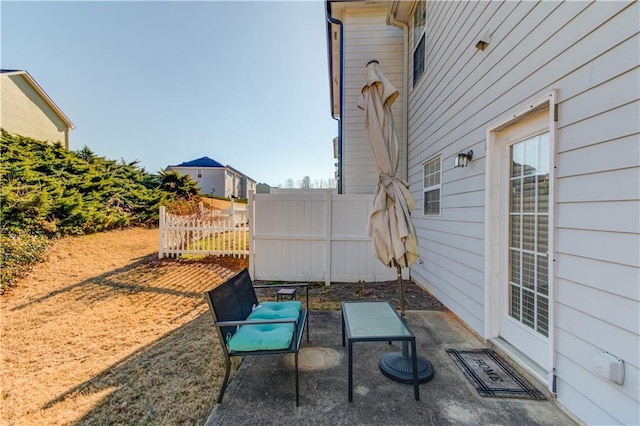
[390,227]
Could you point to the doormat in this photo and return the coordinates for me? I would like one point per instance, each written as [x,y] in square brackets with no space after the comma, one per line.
[491,376]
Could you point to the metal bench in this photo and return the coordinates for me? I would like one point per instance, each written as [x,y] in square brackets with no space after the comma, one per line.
[231,304]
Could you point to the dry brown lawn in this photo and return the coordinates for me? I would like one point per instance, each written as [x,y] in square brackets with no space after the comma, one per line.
[100,335]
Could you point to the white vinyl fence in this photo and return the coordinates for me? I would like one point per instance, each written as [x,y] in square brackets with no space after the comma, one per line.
[210,232]
[313,235]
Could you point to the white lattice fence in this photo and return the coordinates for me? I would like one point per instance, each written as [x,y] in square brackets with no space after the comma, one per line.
[203,234]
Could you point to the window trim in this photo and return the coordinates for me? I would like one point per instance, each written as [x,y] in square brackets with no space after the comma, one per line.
[199,173]
[417,40]
[437,186]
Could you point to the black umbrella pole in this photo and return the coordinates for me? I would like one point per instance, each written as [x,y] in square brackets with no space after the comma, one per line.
[398,366]
[405,345]
[400,288]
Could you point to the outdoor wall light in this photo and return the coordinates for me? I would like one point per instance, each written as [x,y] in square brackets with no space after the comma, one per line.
[462,159]
[484,41]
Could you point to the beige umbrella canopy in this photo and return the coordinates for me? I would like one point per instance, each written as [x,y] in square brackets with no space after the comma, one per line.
[390,227]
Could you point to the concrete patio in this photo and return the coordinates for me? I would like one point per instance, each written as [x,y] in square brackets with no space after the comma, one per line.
[263,390]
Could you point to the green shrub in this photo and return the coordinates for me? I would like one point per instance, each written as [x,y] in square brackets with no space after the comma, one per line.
[19,252]
[47,191]
[181,185]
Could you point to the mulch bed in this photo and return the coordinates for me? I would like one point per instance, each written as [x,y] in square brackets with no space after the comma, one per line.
[415,298]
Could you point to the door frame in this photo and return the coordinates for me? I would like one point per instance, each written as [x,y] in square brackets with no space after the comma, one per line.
[495,234]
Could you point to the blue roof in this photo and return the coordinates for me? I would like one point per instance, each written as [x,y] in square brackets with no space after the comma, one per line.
[200,162]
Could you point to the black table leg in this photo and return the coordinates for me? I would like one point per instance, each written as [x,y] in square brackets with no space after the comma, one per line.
[342,328]
[350,371]
[414,360]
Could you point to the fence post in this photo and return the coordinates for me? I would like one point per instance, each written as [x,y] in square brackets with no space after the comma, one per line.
[328,232]
[252,229]
[233,213]
[161,229]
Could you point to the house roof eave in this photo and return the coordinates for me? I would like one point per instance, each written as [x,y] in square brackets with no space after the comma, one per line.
[43,94]
[399,12]
[334,10]
[238,172]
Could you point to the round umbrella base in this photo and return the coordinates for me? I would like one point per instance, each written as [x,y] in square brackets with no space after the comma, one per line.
[400,369]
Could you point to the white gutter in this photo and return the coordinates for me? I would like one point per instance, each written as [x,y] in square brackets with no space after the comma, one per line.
[391,20]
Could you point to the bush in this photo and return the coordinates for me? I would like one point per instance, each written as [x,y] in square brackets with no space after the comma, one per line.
[47,191]
[184,206]
[19,252]
[181,185]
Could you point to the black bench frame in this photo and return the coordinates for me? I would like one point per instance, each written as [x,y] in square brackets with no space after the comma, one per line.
[231,303]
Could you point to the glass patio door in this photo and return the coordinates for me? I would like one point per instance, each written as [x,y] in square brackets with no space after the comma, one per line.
[525,319]
[529,234]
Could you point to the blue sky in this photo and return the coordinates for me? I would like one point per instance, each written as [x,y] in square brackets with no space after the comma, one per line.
[244,83]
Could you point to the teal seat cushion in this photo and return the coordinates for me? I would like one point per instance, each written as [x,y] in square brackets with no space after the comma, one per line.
[265,337]
[282,305]
[276,310]
[261,337]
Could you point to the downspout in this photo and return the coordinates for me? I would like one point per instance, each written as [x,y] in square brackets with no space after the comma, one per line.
[391,20]
[332,20]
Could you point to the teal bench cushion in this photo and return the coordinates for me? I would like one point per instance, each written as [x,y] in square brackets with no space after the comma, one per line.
[276,310]
[264,337]
[261,337]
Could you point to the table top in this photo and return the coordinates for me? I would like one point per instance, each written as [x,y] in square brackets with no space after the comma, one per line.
[375,320]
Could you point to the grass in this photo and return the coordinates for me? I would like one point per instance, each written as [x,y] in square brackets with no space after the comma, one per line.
[233,240]
[97,335]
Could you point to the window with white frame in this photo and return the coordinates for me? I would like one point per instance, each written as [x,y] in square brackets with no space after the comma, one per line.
[419,48]
[199,173]
[432,186]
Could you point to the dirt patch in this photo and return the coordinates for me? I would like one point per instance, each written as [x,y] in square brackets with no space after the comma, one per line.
[104,333]
[324,297]
[415,298]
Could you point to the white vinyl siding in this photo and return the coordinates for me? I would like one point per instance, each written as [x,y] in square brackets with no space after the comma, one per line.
[366,37]
[25,112]
[212,181]
[589,53]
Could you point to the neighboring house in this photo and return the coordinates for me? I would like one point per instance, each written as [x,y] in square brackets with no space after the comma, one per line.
[535,244]
[246,183]
[27,110]
[262,188]
[215,179]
